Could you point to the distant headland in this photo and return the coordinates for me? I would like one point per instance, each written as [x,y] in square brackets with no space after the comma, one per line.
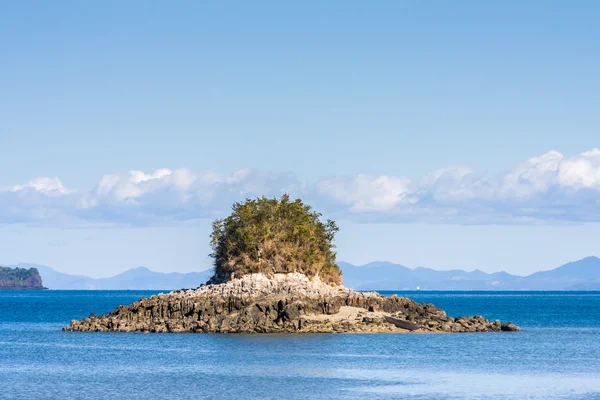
[275,271]
[578,275]
[20,279]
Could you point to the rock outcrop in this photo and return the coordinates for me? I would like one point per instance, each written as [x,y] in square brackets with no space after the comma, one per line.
[20,279]
[284,303]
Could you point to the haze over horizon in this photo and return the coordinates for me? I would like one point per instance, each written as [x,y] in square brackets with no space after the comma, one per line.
[342,262]
[449,138]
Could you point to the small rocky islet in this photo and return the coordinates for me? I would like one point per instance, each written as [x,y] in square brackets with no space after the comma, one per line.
[20,279]
[275,272]
[282,303]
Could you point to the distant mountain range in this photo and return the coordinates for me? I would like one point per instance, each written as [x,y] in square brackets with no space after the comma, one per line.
[578,275]
[140,278]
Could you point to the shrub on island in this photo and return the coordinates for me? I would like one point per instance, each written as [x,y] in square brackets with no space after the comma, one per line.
[271,236]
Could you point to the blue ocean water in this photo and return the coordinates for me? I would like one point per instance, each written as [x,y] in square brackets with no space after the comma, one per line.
[555,356]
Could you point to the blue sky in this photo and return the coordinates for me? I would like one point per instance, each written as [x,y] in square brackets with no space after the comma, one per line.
[448,135]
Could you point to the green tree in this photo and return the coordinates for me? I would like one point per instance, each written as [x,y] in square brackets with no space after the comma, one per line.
[20,277]
[274,236]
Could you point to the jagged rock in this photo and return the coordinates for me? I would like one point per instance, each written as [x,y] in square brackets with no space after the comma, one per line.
[281,303]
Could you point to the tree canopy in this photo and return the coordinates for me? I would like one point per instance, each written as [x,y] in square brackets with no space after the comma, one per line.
[20,278]
[274,236]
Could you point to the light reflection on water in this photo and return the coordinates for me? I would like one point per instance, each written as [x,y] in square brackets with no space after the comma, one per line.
[478,386]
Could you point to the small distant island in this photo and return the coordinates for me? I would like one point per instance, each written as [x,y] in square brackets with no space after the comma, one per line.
[276,272]
[20,279]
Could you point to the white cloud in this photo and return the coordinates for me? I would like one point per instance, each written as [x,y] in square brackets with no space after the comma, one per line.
[581,172]
[534,176]
[548,187]
[368,194]
[456,184]
[49,186]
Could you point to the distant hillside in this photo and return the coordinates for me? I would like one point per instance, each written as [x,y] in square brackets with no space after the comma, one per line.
[579,275]
[389,276]
[140,278]
[20,279]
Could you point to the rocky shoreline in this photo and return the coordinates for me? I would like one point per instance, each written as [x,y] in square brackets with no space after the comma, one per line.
[283,303]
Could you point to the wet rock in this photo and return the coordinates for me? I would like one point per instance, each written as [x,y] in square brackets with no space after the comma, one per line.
[509,327]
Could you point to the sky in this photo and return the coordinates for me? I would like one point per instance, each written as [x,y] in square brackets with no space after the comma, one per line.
[440,134]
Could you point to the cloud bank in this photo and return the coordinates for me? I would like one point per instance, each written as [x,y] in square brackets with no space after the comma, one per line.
[546,188]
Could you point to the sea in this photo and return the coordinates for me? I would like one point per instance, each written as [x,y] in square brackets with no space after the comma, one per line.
[556,355]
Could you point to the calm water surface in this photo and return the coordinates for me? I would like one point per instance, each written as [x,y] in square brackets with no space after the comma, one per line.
[555,356]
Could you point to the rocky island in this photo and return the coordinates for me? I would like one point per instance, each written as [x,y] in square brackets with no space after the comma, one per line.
[20,279]
[275,272]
